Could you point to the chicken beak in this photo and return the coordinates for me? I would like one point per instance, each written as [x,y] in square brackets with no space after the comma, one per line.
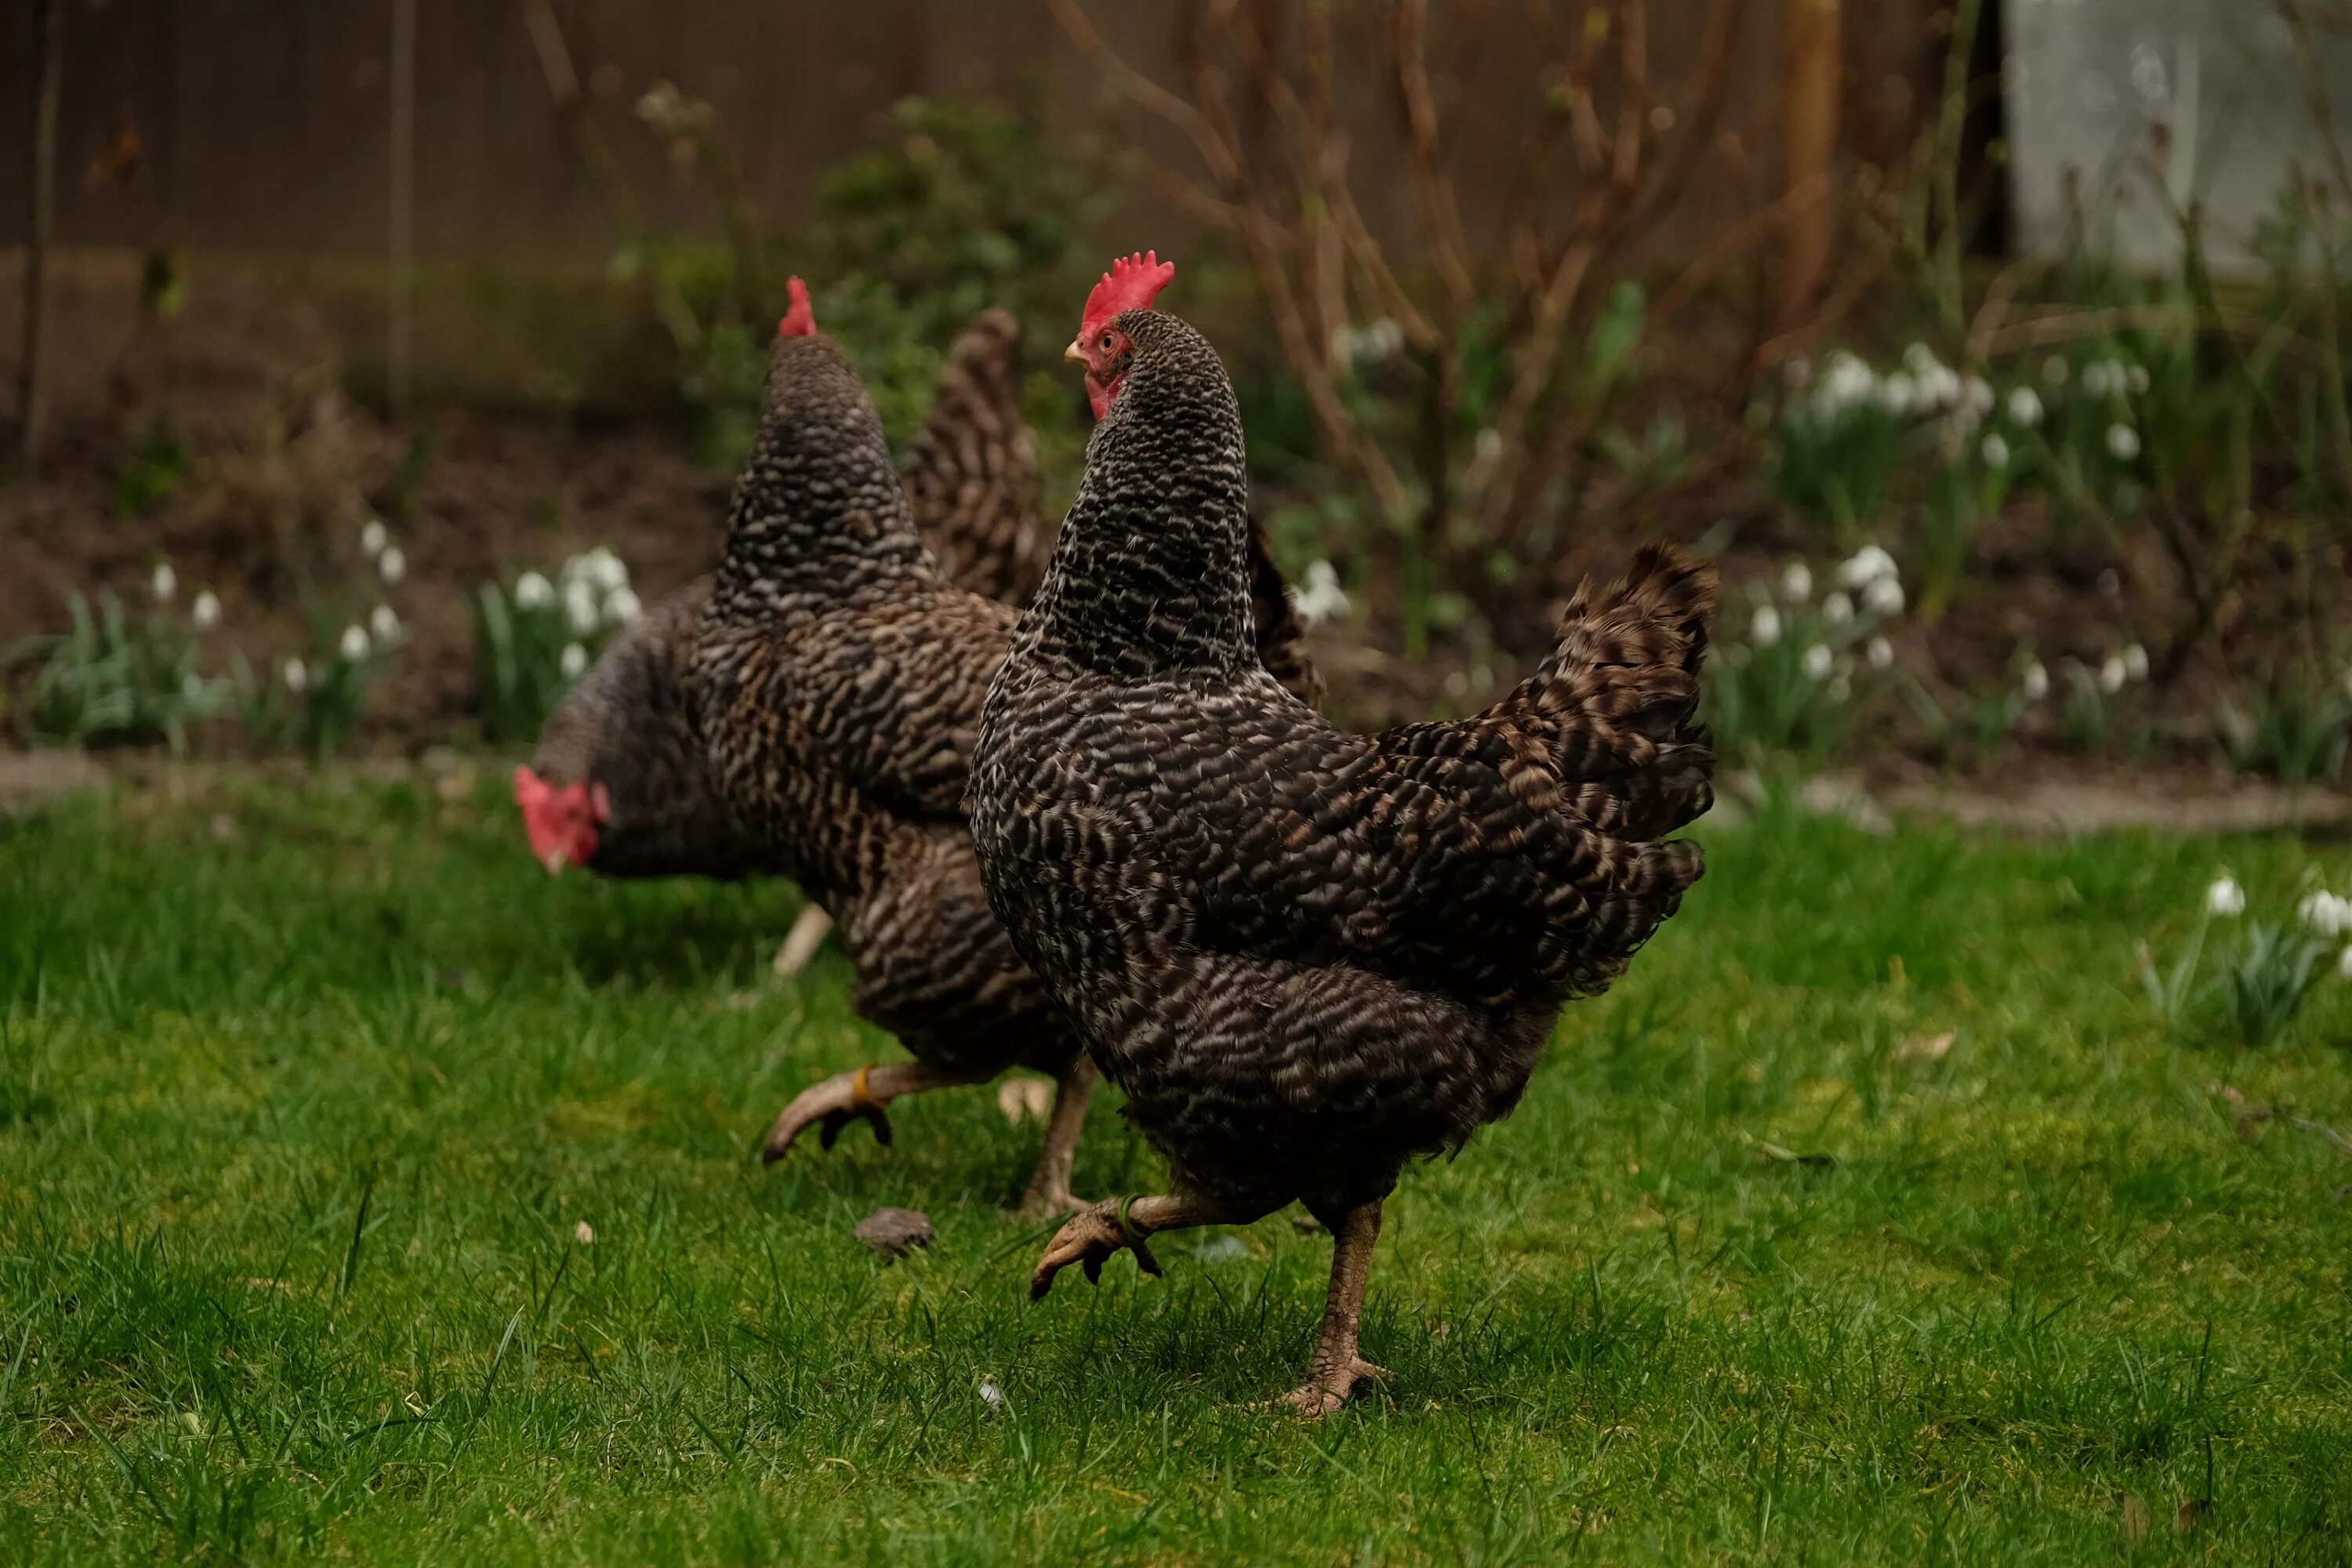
[1074,353]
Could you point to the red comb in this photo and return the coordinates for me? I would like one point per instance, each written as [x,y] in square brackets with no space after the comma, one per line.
[1131,284]
[799,322]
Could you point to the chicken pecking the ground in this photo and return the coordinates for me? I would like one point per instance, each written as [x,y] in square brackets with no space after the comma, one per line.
[835,685]
[1307,956]
[617,786]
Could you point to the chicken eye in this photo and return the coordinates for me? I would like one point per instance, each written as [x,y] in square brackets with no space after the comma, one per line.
[1106,340]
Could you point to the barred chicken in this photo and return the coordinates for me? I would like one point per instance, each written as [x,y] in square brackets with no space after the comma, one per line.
[617,784]
[1307,956]
[834,685]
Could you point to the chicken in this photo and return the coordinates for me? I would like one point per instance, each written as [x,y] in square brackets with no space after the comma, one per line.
[1307,956]
[834,685]
[618,787]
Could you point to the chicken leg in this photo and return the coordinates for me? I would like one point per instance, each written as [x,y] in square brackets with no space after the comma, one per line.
[1099,1230]
[1332,1375]
[801,942]
[860,1095]
[1049,1187]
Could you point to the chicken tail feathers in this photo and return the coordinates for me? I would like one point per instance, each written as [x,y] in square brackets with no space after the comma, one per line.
[1616,704]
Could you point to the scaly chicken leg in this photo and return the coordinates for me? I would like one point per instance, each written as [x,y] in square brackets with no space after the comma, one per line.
[1115,1225]
[861,1094]
[1049,1187]
[801,942]
[1331,1375]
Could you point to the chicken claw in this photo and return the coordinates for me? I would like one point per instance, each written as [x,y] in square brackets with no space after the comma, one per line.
[832,1105]
[1329,1392]
[1091,1237]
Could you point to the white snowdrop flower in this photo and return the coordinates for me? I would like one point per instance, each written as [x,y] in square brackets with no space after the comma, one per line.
[373,538]
[2135,380]
[1818,661]
[1838,610]
[354,644]
[295,675]
[1322,598]
[2054,371]
[2344,964]
[1882,596]
[603,568]
[2122,443]
[2135,662]
[2102,378]
[1765,629]
[584,1234]
[1880,653]
[2225,898]
[383,626]
[1977,395]
[1846,383]
[164,582]
[1796,582]
[192,686]
[575,661]
[2328,913]
[531,590]
[621,605]
[579,605]
[1939,388]
[1996,451]
[1487,448]
[1797,374]
[205,611]
[1865,566]
[1840,687]
[2035,684]
[1919,359]
[1899,392]
[991,1395]
[392,565]
[2112,674]
[2024,407]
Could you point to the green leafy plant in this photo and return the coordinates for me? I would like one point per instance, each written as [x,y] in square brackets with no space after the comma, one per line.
[153,475]
[534,636]
[1790,677]
[2297,731]
[2264,978]
[117,679]
[314,704]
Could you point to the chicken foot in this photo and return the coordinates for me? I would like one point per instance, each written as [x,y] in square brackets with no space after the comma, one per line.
[1332,1375]
[845,1097]
[1098,1231]
[1049,1187]
[801,942]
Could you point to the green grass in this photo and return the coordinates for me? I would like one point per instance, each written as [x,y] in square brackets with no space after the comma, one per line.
[303,1093]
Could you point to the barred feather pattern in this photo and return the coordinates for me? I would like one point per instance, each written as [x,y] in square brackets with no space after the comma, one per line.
[836,680]
[1309,956]
[624,726]
[971,474]
[971,486]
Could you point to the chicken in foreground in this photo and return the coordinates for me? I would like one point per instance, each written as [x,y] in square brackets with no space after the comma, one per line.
[1307,956]
[618,787]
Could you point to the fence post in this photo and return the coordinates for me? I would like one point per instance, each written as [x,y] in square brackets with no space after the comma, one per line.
[40,218]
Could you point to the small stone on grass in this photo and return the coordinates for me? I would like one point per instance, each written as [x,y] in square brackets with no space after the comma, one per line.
[894,1233]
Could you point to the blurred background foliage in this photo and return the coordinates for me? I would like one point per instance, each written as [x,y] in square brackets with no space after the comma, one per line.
[1502,290]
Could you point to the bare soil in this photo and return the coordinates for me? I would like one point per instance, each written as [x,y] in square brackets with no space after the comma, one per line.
[282,468]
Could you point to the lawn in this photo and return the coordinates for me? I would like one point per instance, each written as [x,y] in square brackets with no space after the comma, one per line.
[365,1194]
